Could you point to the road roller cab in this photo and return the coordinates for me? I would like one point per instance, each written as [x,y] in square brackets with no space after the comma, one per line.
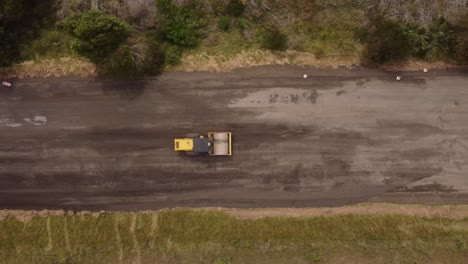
[213,143]
[184,144]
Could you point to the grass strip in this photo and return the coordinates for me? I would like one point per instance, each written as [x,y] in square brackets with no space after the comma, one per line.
[198,236]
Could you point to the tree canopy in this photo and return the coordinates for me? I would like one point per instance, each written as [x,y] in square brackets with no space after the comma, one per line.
[20,22]
[96,34]
[181,24]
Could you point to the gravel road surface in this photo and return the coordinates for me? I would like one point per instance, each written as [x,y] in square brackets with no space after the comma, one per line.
[336,137]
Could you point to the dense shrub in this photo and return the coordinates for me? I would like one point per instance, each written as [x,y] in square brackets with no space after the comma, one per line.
[442,39]
[172,55]
[224,22]
[128,61]
[436,41]
[235,8]
[183,29]
[9,48]
[28,30]
[119,64]
[52,43]
[181,24]
[386,41]
[461,49]
[20,23]
[275,40]
[418,38]
[96,35]
[243,23]
[153,58]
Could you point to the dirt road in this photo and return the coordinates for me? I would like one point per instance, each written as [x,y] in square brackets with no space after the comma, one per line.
[338,137]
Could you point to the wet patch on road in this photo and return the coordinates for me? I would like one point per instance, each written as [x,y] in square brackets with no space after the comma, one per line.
[277,96]
[434,187]
[409,173]
[408,128]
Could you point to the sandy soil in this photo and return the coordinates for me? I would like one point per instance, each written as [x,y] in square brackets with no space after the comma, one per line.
[205,62]
[26,215]
[447,211]
[414,65]
[192,62]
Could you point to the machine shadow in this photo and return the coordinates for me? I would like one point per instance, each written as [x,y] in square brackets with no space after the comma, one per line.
[125,89]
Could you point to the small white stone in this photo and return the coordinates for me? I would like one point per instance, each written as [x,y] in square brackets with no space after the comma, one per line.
[398,78]
[37,121]
[424,70]
[74,127]
[41,119]
[13,125]
[305,76]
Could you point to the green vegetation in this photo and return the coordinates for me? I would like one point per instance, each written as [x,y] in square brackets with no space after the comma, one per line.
[387,41]
[224,22]
[149,34]
[189,236]
[435,41]
[172,54]
[51,44]
[20,23]
[275,40]
[462,48]
[462,38]
[145,56]
[96,34]
[236,8]
[120,63]
[180,25]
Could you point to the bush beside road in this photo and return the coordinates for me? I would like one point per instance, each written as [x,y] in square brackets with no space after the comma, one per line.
[151,35]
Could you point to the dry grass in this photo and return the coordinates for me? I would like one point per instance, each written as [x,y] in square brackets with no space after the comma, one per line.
[51,68]
[260,236]
[219,63]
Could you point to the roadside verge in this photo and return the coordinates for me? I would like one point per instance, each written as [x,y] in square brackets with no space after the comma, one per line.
[364,233]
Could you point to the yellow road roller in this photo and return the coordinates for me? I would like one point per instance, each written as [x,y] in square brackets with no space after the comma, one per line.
[213,143]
